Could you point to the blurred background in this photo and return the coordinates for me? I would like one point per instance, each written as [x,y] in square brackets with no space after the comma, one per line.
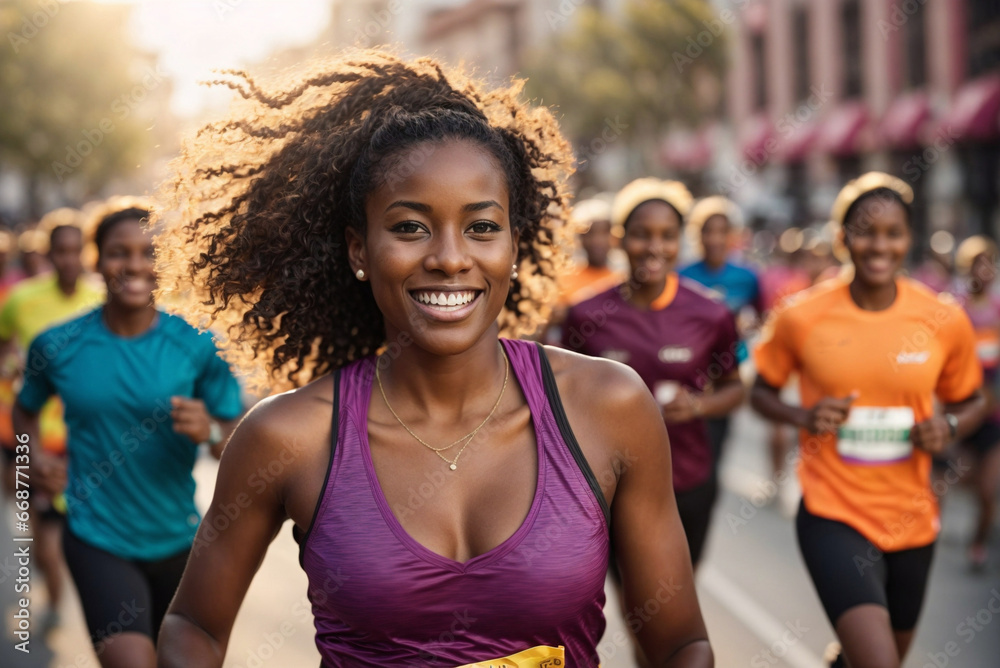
[773,103]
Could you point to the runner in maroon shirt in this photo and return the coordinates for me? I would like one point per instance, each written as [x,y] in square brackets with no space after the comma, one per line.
[679,338]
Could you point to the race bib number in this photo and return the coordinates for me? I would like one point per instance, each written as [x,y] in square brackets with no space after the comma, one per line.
[536,657]
[874,435]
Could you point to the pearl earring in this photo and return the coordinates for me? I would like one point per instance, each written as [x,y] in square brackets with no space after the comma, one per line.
[513,271]
[360,273]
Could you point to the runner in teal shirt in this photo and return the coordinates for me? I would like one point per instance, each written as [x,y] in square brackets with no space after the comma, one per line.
[141,390]
[130,489]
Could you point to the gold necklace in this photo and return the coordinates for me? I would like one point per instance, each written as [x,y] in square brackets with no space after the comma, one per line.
[468,438]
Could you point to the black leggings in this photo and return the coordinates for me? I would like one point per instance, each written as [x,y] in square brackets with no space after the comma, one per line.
[695,508]
[848,570]
[119,595]
[718,432]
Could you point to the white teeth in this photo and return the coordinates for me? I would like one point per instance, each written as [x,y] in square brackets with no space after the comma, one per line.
[445,299]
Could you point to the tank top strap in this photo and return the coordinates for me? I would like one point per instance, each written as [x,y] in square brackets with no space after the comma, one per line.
[355,390]
[538,384]
[523,356]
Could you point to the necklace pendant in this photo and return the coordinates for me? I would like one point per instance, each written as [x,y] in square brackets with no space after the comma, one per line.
[453,466]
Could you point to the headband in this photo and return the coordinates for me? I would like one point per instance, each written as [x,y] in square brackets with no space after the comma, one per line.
[704,209]
[587,212]
[866,183]
[972,248]
[644,190]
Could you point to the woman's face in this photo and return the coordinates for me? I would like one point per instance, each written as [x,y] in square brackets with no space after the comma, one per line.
[878,238]
[126,262]
[652,241]
[596,242]
[65,254]
[715,239]
[439,247]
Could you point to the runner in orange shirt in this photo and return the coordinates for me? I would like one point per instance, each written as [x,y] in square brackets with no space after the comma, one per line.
[871,354]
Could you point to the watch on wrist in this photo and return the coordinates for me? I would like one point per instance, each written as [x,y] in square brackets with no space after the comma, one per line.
[952,424]
[214,434]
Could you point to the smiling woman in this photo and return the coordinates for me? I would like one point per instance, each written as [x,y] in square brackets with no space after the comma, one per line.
[141,390]
[870,427]
[379,222]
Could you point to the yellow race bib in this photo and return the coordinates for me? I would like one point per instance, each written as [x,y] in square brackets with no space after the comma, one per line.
[536,657]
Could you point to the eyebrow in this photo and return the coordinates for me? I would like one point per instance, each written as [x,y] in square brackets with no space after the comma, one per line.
[426,208]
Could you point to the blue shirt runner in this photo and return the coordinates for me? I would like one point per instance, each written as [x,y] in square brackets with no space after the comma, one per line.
[130,488]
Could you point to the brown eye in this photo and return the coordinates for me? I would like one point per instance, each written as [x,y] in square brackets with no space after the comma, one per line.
[484,227]
[406,227]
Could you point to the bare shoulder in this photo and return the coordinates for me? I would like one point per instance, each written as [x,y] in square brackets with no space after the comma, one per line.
[612,414]
[288,413]
[285,434]
[594,383]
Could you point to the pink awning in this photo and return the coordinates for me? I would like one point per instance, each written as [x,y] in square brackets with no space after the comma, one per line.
[842,129]
[757,139]
[901,125]
[799,142]
[688,150]
[974,113]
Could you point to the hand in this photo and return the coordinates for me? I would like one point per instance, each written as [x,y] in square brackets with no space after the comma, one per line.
[827,414]
[684,407]
[48,473]
[932,435]
[191,418]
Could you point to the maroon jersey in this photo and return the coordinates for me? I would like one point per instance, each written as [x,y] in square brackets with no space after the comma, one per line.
[691,341]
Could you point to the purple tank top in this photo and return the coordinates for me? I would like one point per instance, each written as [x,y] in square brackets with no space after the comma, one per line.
[380,598]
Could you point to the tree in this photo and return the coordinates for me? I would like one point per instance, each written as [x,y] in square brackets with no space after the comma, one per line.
[70,84]
[660,66]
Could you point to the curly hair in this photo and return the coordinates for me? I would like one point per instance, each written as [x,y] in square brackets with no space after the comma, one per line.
[254,215]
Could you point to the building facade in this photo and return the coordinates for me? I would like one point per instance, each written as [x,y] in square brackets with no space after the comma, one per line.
[822,90]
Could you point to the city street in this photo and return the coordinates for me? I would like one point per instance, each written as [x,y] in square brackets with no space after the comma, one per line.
[757,600]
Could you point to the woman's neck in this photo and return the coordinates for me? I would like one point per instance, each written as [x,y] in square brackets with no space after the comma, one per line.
[126,321]
[873,298]
[644,294]
[444,385]
[67,288]
[715,264]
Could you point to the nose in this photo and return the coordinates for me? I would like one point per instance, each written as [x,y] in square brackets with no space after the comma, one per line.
[880,243]
[449,253]
[657,245]
[137,263]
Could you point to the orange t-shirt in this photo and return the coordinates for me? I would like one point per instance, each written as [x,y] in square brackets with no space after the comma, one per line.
[897,359]
[586,282]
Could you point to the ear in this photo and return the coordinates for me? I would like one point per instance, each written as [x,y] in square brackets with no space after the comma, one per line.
[357,254]
[515,238]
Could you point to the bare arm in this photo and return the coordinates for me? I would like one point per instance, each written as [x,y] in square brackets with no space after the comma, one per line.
[934,433]
[823,417]
[652,553]
[7,348]
[766,400]
[726,394]
[48,472]
[227,426]
[970,413]
[196,629]
[626,443]
[192,419]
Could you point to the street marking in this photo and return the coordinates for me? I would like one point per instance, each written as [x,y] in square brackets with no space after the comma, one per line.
[754,617]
